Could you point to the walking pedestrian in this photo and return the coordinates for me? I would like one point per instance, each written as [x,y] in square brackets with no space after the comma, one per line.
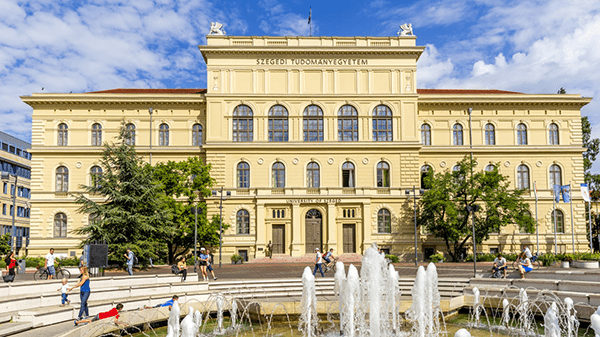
[129,256]
[203,263]
[84,292]
[318,263]
[49,264]
[209,265]
[63,290]
[269,250]
[81,260]
[11,265]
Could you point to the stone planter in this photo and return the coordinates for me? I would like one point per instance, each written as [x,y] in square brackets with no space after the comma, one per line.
[586,264]
[565,264]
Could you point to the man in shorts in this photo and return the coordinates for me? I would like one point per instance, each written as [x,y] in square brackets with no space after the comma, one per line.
[209,264]
[49,264]
[114,312]
[500,264]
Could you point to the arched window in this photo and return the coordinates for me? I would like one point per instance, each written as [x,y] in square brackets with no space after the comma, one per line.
[163,135]
[490,134]
[313,175]
[196,135]
[243,125]
[490,168]
[243,175]
[425,169]
[555,176]
[62,179]
[426,134]
[457,134]
[95,174]
[63,134]
[130,134]
[278,175]
[553,134]
[312,124]
[383,174]
[523,177]
[348,174]
[60,225]
[456,168]
[521,134]
[384,221]
[560,222]
[347,124]
[278,124]
[96,134]
[243,222]
[382,124]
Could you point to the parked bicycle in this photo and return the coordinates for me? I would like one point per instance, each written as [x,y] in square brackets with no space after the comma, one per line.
[330,265]
[60,273]
[534,262]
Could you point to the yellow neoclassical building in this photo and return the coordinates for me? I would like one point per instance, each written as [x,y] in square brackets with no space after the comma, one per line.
[316,142]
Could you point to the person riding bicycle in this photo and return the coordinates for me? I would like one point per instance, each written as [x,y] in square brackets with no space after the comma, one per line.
[528,254]
[499,264]
[329,256]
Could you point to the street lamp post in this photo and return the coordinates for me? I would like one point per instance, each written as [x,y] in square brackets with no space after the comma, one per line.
[195,236]
[214,193]
[151,110]
[6,177]
[475,207]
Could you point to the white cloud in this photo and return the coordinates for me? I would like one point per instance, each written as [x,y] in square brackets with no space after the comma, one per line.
[277,20]
[95,45]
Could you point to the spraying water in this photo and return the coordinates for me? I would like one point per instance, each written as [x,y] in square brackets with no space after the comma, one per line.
[572,321]
[187,324]
[505,312]
[173,322]
[350,297]
[220,303]
[476,305]
[595,322]
[551,328]
[309,318]
[233,314]
[523,310]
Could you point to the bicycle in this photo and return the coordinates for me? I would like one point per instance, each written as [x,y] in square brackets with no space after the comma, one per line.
[60,273]
[534,263]
[331,265]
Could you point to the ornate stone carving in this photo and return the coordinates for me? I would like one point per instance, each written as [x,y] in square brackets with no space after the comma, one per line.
[260,161]
[330,161]
[216,29]
[507,163]
[365,161]
[79,164]
[295,161]
[538,163]
[405,30]
[442,164]
[216,86]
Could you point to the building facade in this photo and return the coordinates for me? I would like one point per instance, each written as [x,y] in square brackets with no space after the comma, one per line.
[15,160]
[316,142]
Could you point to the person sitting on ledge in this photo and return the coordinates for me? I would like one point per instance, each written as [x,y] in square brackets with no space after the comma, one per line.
[524,265]
[500,264]
[114,312]
[168,303]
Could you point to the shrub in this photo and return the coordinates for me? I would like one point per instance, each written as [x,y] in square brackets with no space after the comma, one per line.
[235,258]
[482,257]
[435,258]
[392,258]
[547,259]
[511,257]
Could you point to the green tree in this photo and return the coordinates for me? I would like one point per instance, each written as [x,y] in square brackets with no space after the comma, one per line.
[5,246]
[592,146]
[123,204]
[445,210]
[184,185]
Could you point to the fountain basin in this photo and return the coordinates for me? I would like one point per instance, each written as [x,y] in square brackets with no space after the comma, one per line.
[586,264]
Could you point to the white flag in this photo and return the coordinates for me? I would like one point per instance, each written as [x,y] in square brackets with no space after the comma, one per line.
[585,192]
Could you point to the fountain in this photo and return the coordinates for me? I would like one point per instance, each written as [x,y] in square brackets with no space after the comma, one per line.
[505,312]
[551,328]
[173,322]
[476,306]
[188,325]
[595,322]
[309,319]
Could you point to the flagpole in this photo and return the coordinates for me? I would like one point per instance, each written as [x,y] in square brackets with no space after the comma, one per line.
[537,232]
[590,217]
[572,229]
[554,207]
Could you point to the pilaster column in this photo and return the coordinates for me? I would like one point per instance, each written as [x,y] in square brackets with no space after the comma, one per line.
[260,229]
[366,230]
[331,226]
[297,242]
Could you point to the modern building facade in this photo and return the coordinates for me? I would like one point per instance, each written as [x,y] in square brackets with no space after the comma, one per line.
[316,142]
[15,163]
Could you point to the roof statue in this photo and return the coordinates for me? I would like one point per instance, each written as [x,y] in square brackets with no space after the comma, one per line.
[405,30]
[216,29]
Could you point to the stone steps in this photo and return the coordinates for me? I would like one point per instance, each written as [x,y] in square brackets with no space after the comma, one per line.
[11,328]
[346,258]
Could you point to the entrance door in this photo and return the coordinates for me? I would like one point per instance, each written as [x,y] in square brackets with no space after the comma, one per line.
[349,239]
[278,239]
[312,223]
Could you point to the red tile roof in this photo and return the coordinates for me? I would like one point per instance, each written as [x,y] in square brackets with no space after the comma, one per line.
[464,91]
[150,91]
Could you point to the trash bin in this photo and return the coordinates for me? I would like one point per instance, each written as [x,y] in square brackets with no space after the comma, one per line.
[21,266]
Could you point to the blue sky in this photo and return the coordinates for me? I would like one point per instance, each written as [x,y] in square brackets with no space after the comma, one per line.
[78,46]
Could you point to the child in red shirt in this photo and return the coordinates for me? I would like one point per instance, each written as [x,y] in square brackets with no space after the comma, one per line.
[114,312]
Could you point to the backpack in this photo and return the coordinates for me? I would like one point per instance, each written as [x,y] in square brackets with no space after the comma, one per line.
[323,256]
[174,269]
[135,259]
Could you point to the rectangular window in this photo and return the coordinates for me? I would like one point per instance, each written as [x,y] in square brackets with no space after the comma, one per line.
[12,210]
[5,188]
[4,209]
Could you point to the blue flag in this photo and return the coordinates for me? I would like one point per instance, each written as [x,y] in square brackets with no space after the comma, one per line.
[564,190]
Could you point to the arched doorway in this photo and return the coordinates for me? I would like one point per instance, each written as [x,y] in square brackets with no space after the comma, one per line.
[313,225]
